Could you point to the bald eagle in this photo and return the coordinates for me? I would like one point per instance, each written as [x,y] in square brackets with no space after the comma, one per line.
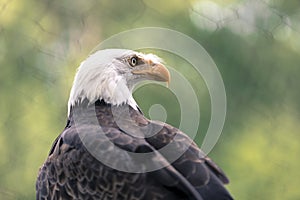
[83,163]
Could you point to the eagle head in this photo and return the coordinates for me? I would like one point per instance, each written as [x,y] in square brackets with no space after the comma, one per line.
[111,75]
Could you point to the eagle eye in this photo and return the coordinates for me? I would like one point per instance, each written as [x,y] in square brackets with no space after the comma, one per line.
[133,61]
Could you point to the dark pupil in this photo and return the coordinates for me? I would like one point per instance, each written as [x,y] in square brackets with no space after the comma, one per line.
[133,61]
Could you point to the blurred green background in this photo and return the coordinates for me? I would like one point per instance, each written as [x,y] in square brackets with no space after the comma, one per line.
[255,44]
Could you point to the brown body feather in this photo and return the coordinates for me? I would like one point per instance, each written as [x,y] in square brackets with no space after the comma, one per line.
[72,172]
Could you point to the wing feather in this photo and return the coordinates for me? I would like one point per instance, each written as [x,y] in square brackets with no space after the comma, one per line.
[73,172]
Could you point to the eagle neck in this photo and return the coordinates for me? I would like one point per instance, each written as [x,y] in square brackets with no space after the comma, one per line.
[84,110]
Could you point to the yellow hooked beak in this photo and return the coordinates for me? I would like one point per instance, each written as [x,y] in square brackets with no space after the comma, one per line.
[157,72]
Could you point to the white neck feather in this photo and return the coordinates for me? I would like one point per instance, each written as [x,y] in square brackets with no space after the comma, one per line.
[97,80]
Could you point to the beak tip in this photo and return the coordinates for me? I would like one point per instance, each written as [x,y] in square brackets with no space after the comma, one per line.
[162,73]
[168,83]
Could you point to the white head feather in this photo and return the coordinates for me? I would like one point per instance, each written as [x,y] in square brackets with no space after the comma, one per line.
[102,76]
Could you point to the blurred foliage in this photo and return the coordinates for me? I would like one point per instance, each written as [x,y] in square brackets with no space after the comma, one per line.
[254,43]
